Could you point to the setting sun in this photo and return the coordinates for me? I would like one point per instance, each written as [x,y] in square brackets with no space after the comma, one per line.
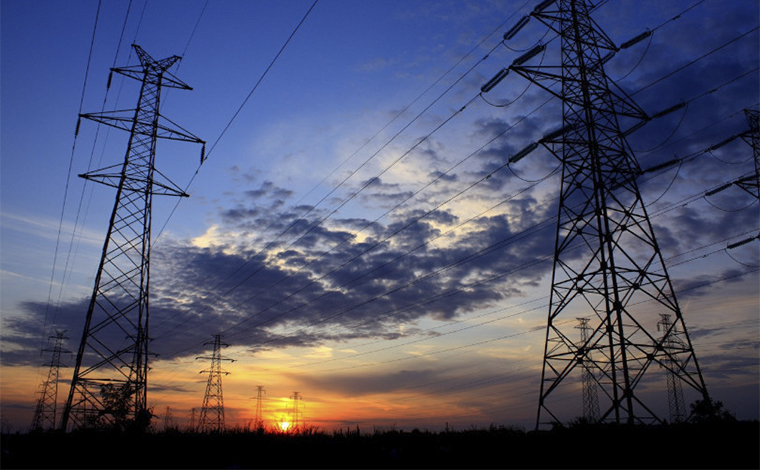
[284,426]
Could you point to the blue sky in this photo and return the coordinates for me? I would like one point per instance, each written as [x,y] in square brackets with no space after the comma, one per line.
[364,89]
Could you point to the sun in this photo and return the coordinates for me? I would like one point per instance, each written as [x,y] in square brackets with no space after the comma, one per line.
[284,425]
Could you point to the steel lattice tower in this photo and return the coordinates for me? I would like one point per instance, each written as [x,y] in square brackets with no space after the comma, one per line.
[296,412]
[192,420]
[751,184]
[258,420]
[607,263]
[212,413]
[590,396]
[671,339]
[113,352]
[45,416]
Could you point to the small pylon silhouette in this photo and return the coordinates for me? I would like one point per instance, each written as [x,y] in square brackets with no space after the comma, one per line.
[47,403]
[295,413]
[258,420]
[590,396]
[212,413]
[671,338]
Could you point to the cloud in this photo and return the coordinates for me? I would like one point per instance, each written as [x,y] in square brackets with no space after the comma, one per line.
[347,286]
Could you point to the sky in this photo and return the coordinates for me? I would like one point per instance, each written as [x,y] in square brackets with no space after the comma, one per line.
[342,235]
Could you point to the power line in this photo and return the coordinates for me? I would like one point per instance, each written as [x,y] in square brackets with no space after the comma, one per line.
[372,156]
[240,108]
[68,174]
[683,202]
[292,244]
[480,253]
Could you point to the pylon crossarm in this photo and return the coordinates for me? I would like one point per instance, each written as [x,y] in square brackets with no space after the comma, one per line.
[125,120]
[135,184]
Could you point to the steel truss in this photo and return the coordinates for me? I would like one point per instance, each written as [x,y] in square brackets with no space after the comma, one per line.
[751,183]
[45,413]
[607,264]
[109,385]
[212,413]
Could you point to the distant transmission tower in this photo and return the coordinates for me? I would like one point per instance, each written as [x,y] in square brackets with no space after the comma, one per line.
[45,416]
[671,339]
[295,421]
[212,413]
[607,263]
[113,352]
[258,420]
[192,420]
[590,397]
[168,420]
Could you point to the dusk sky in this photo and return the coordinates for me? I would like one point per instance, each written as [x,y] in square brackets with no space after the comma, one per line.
[342,235]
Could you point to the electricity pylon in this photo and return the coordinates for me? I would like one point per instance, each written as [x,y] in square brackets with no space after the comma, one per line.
[212,413]
[295,421]
[671,338]
[258,420]
[751,184]
[47,404]
[607,262]
[113,352]
[590,396]
[192,420]
[169,420]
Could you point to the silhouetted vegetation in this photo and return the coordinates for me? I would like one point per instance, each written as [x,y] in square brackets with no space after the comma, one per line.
[722,444]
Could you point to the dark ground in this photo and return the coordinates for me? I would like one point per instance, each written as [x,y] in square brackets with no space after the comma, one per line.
[719,446]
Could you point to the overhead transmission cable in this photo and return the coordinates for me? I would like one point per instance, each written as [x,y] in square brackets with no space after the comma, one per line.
[344,202]
[372,156]
[676,205]
[530,330]
[331,271]
[482,252]
[685,158]
[440,176]
[68,179]
[237,112]
[694,61]
[357,192]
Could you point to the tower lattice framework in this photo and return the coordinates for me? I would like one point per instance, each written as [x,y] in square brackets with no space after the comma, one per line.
[751,183]
[672,338]
[45,413]
[607,263]
[295,413]
[590,395]
[258,420]
[113,351]
[212,412]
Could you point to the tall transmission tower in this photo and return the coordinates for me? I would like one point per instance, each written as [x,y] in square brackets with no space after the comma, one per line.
[45,416]
[590,396]
[607,262]
[212,413]
[113,352]
[258,420]
[295,413]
